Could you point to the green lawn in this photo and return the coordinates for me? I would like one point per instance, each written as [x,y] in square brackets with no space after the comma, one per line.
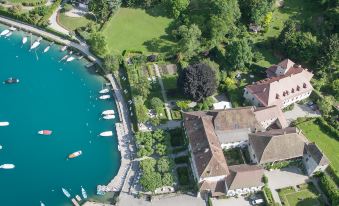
[326,142]
[136,29]
[305,196]
[233,156]
[71,23]
[22,1]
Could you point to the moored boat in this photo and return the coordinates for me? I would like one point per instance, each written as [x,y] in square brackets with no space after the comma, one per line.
[84,193]
[0,147]
[69,59]
[63,58]
[45,132]
[7,166]
[47,48]
[106,134]
[108,112]
[109,116]
[9,34]
[104,91]
[4,124]
[12,28]
[4,32]
[75,154]
[11,80]
[78,198]
[63,48]
[42,204]
[24,39]
[105,97]
[75,203]
[35,45]
[66,193]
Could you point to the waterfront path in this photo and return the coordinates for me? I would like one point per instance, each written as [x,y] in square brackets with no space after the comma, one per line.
[81,47]
[53,20]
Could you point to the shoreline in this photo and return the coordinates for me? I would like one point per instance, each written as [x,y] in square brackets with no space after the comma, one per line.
[123,128]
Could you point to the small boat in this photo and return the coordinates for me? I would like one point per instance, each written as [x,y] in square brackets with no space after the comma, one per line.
[7,166]
[4,124]
[12,28]
[104,91]
[105,97]
[42,204]
[106,134]
[0,147]
[63,58]
[75,154]
[4,32]
[24,39]
[70,52]
[11,80]
[75,203]
[69,59]
[35,45]
[84,193]
[80,57]
[109,116]
[9,34]
[63,48]
[45,132]
[108,112]
[78,198]
[66,193]
[47,48]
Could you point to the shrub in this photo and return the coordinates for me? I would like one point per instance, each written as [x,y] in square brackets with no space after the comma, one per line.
[329,187]
[268,195]
[67,7]
[265,179]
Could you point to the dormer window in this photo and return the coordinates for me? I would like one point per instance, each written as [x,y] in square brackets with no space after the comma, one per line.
[298,88]
[292,90]
[304,85]
[277,96]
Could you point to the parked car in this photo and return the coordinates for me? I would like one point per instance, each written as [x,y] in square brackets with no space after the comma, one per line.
[310,103]
[257,201]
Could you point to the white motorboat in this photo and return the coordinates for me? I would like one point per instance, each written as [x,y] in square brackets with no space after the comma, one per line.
[42,204]
[108,112]
[104,91]
[69,59]
[0,147]
[105,97]
[35,45]
[63,58]
[4,32]
[63,48]
[7,166]
[47,48]
[4,124]
[109,116]
[24,39]
[9,34]
[78,198]
[84,193]
[106,134]
[66,193]
[12,28]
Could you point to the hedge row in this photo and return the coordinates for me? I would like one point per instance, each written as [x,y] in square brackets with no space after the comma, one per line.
[329,187]
[328,128]
[333,173]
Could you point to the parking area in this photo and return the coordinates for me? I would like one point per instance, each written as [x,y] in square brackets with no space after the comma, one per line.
[301,111]
[240,201]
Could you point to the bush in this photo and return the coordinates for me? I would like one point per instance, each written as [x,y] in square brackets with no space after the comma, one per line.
[183,175]
[329,187]
[265,179]
[37,3]
[67,7]
[268,195]
[288,108]
[333,173]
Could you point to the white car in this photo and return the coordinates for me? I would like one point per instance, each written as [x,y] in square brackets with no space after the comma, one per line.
[257,201]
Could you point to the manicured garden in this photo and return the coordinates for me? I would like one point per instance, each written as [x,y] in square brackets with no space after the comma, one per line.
[234,156]
[143,32]
[306,195]
[320,135]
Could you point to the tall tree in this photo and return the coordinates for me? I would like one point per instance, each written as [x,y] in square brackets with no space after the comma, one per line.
[98,43]
[197,82]
[100,8]
[189,40]
[239,53]
[140,109]
[177,6]
[254,11]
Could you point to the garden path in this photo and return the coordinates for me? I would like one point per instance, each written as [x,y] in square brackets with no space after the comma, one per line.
[163,92]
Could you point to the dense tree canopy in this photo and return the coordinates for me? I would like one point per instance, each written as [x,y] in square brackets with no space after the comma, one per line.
[177,6]
[239,54]
[140,109]
[98,43]
[254,11]
[197,82]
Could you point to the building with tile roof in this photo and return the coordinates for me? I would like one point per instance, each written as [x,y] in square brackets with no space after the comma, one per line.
[286,83]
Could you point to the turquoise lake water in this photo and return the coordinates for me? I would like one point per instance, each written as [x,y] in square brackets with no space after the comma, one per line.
[58,96]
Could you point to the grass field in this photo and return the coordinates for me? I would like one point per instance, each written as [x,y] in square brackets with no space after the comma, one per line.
[136,29]
[326,142]
[307,195]
[21,1]
[71,23]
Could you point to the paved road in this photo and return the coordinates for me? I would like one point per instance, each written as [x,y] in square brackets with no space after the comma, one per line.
[240,201]
[286,177]
[54,23]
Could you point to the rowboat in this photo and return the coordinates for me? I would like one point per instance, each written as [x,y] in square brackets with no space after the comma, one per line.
[105,97]
[104,91]
[4,32]
[7,166]
[4,124]
[24,39]
[84,193]
[109,116]
[11,80]
[106,134]
[108,112]
[35,45]
[45,132]
[75,154]
[9,34]
[69,59]
[66,193]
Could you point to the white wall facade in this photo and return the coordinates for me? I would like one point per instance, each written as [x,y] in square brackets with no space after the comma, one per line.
[311,165]
[290,101]
[251,98]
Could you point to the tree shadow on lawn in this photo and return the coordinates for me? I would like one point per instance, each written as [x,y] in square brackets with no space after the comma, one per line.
[158,11]
[309,201]
[160,45]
